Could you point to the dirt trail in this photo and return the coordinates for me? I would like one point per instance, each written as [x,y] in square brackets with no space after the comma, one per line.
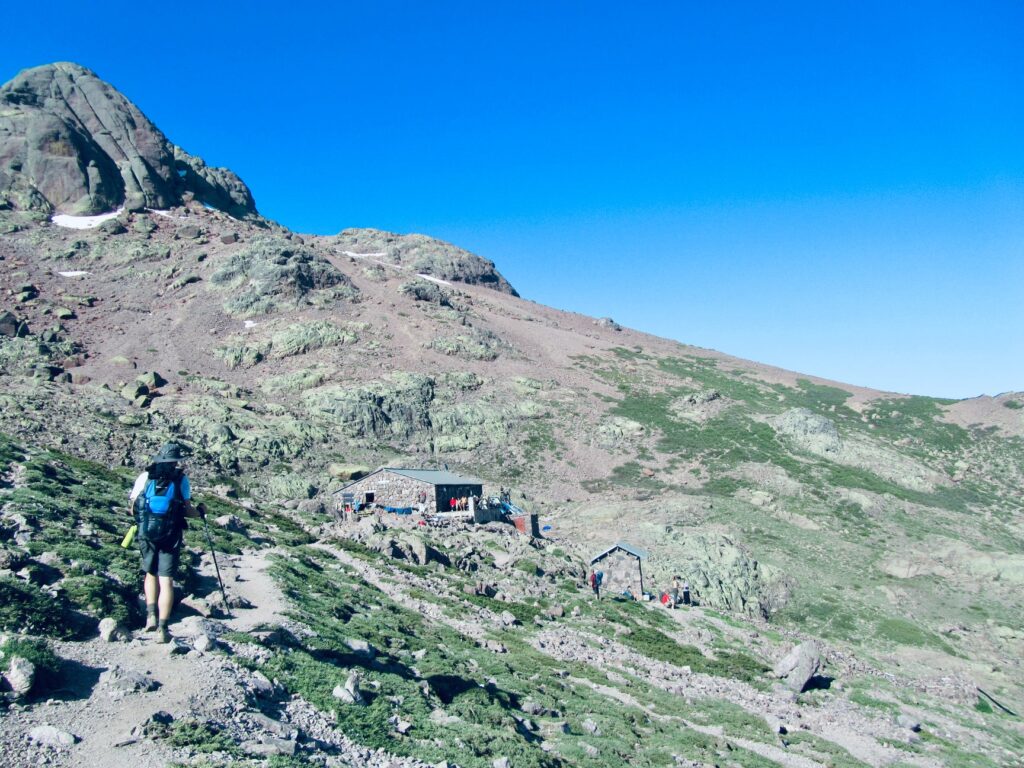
[191,683]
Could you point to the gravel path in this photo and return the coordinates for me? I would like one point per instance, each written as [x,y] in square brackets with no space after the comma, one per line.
[106,717]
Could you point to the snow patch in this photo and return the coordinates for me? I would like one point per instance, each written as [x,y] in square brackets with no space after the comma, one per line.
[84,222]
[437,280]
[355,255]
[73,273]
[251,323]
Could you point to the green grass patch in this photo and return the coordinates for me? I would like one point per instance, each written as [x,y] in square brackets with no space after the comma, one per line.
[903,632]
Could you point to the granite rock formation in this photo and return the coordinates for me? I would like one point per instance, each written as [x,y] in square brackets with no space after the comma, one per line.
[71,143]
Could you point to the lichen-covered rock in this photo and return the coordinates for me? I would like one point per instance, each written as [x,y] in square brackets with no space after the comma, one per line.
[425,255]
[347,471]
[300,338]
[11,326]
[395,407]
[296,381]
[466,426]
[809,430]
[723,575]
[474,344]
[424,290]
[618,431]
[273,273]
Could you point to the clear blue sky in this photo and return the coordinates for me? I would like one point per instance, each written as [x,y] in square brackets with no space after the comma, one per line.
[835,188]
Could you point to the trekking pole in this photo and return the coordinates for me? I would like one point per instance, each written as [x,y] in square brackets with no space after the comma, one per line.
[209,540]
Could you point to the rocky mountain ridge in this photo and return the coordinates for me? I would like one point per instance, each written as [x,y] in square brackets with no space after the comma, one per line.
[71,143]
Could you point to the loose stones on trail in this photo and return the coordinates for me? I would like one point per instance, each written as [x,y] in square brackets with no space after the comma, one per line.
[49,736]
[120,682]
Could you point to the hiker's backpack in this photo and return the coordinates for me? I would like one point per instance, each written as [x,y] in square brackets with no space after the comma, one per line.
[159,507]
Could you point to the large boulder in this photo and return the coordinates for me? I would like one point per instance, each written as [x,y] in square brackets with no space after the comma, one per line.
[798,666]
[11,326]
[72,143]
[20,676]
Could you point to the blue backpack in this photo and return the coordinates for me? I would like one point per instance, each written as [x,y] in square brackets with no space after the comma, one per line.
[159,507]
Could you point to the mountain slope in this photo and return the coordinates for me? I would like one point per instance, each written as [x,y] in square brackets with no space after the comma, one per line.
[888,526]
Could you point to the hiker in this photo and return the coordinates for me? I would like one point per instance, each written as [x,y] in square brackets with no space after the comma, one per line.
[686,593]
[675,592]
[595,584]
[161,500]
[452,503]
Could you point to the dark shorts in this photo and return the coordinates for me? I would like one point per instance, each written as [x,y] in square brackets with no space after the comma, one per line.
[160,558]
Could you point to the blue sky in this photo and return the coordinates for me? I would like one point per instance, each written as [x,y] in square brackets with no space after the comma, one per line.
[834,190]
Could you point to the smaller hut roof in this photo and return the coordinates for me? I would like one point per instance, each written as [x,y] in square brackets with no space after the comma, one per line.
[637,552]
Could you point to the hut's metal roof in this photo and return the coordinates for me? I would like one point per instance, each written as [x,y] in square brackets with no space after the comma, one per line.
[431,476]
[434,476]
[637,552]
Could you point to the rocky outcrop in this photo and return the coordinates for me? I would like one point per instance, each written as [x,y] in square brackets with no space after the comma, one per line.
[395,407]
[811,431]
[273,273]
[72,143]
[819,435]
[723,575]
[424,255]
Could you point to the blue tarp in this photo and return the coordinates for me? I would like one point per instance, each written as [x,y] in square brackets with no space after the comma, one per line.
[399,510]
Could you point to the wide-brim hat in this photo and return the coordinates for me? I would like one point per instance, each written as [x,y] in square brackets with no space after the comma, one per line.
[169,453]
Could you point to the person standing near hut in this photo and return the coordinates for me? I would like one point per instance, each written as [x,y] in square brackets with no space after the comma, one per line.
[675,592]
[595,584]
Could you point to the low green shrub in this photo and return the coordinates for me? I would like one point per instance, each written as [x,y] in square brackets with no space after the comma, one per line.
[37,651]
[25,608]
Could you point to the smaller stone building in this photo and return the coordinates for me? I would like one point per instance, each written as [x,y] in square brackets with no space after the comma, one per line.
[622,565]
[401,488]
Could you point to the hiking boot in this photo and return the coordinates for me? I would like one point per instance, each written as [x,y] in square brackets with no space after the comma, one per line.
[162,635]
[151,623]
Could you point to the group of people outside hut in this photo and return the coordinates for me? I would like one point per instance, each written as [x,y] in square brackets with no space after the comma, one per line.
[678,594]
[463,503]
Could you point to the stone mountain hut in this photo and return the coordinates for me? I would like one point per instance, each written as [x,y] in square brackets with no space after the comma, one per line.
[401,488]
[623,568]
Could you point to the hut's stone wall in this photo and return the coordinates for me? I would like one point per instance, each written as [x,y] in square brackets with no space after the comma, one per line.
[621,571]
[393,490]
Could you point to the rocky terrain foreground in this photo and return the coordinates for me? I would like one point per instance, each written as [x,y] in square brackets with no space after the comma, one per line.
[856,555]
